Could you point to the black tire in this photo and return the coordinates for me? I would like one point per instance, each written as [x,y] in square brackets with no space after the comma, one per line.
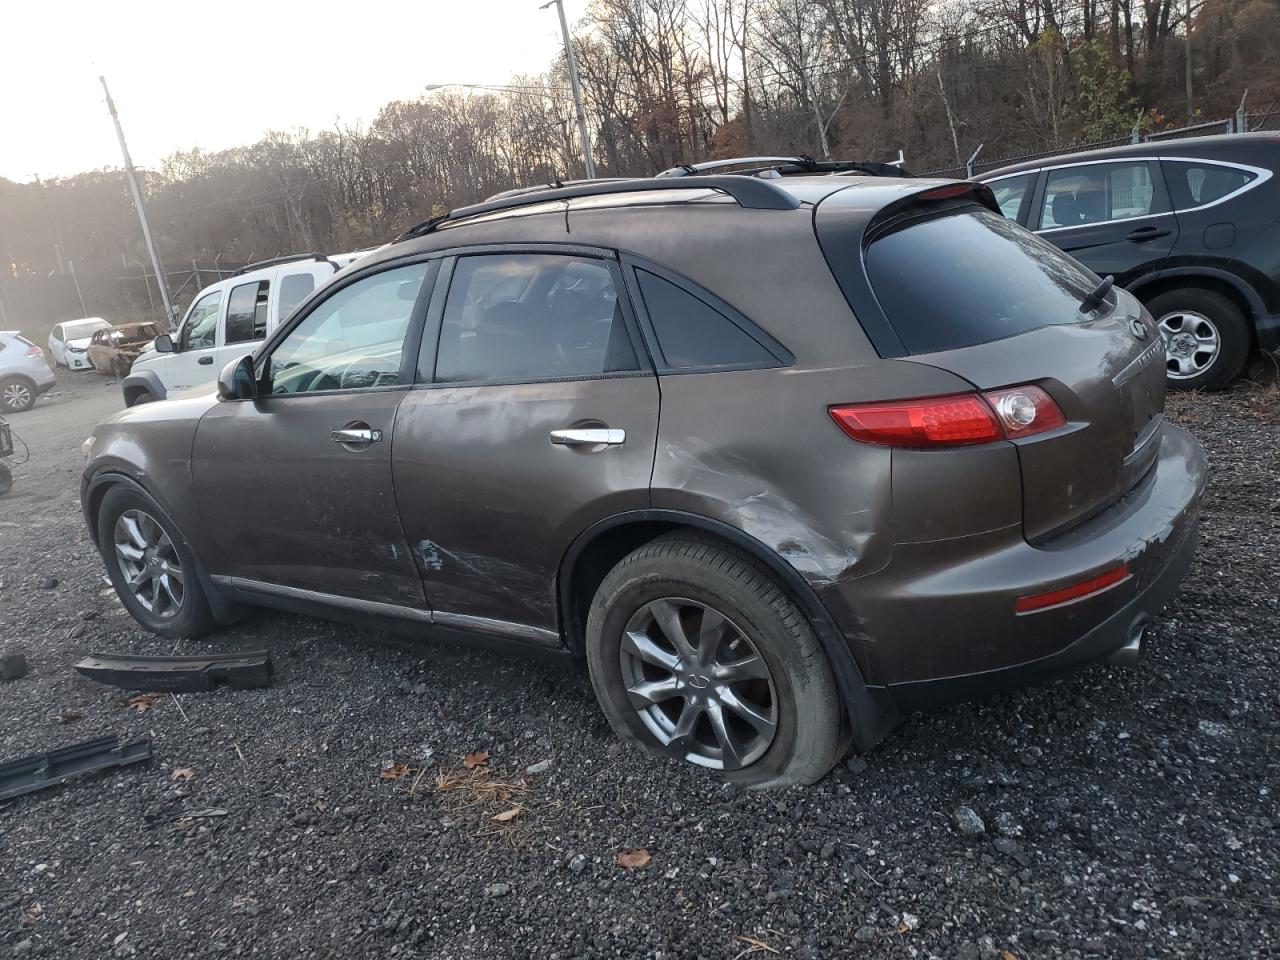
[143,396]
[16,395]
[1181,310]
[191,616]
[6,479]
[802,693]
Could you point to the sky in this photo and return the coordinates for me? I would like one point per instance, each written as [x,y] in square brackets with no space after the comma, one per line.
[183,77]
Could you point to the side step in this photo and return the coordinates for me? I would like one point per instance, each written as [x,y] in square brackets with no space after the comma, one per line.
[48,769]
[240,671]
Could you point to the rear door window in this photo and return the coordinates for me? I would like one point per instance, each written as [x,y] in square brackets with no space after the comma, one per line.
[1194,184]
[972,277]
[247,312]
[1097,193]
[692,334]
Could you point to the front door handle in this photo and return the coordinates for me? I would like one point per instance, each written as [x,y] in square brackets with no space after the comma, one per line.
[205,361]
[1147,233]
[350,435]
[589,437]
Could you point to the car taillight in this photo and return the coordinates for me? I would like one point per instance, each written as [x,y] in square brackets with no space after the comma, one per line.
[953,420]
[34,351]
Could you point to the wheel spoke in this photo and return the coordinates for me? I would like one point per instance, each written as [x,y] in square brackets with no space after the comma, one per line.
[685,725]
[763,723]
[165,581]
[667,614]
[129,552]
[710,635]
[642,646]
[174,572]
[748,668]
[731,751]
[649,692]
[133,531]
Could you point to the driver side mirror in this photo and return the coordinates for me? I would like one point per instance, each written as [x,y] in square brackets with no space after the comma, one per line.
[164,344]
[237,382]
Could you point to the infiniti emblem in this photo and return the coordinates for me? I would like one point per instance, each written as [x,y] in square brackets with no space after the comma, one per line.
[1138,329]
[699,682]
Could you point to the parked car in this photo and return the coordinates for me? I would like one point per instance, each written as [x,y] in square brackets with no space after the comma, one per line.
[69,342]
[226,319]
[1190,227]
[778,458]
[24,374]
[113,349]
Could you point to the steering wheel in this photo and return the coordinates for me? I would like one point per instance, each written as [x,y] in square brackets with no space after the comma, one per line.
[372,372]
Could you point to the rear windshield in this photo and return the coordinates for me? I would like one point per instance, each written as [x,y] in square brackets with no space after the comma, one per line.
[972,277]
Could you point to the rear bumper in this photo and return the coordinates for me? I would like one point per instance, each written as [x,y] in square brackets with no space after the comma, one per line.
[938,623]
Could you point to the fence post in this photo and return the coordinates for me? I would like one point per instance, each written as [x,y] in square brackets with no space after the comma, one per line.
[968,167]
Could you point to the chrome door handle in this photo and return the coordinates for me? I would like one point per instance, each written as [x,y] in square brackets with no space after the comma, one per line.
[589,437]
[356,436]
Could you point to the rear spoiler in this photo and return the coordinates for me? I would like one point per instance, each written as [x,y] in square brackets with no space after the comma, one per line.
[943,193]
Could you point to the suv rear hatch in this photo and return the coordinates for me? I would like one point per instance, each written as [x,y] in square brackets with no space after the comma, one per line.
[961,288]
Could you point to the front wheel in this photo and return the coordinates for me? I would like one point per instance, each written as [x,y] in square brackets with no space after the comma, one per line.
[1206,338]
[151,566]
[696,653]
[16,395]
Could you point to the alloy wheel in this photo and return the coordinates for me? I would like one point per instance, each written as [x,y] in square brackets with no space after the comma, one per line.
[16,396]
[149,563]
[698,683]
[1191,343]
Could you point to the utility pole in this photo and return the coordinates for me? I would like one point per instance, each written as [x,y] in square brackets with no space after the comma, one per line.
[142,211]
[1191,112]
[587,162]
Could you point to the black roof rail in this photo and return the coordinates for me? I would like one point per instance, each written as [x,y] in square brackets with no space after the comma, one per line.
[259,264]
[788,166]
[750,192]
[554,185]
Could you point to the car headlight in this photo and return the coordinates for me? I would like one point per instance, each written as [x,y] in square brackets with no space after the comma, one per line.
[76,349]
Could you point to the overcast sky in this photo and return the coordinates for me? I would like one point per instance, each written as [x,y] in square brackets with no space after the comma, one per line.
[220,74]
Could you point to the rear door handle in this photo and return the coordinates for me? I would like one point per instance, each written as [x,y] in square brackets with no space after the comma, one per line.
[205,361]
[1147,233]
[589,437]
[350,435]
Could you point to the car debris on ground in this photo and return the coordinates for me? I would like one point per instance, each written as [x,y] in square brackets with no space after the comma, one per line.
[41,770]
[240,671]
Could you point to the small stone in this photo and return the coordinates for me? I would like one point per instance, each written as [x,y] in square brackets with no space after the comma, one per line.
[987,948]
[13,666]
[542,766]
[968,822]
[1212,729]
[1006,845]
[48,583]
[22,946]
[1007,824]
[420,689]
[577,863]
[856,765]
[497,889]
[828,851]
[910,921]
[865,934]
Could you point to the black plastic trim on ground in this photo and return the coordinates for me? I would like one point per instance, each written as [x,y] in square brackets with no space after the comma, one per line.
[240,671]
[42,770]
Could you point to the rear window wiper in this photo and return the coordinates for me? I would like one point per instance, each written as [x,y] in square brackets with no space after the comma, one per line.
[1098,295]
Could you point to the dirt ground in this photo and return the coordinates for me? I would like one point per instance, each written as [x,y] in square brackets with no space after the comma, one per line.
[1113,813]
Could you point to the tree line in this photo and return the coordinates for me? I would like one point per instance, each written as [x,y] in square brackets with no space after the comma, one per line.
[667,82]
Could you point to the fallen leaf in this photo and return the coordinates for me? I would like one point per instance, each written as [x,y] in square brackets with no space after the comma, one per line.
[183,773]
[395,771]
[144,701]
[477,759]
[634,858]
[903,928]
[507,815]
[1006,955]
[70,716]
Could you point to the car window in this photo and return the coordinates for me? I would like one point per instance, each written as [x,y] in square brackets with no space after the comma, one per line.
[693,334]
[935,282]
[524,317]
[201,329]
[293,288]
[353,339]
[1096,193]
[57,333]
[247,312]
[1009,192]
[1197,184]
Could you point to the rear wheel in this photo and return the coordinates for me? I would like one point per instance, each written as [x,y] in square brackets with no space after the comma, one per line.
[16,394]
[1206,338]
[150,565]
[696,653]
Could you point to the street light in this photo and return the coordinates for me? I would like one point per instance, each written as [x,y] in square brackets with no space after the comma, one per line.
[587,162]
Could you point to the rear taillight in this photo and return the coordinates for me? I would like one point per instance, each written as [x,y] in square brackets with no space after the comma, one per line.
[34,351]
[953,420]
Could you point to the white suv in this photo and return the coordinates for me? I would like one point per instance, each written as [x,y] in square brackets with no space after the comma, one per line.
[227,320]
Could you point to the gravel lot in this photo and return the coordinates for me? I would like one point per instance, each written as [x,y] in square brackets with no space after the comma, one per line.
[1121,813]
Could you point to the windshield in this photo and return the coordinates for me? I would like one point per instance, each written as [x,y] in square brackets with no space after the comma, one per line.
[82,328]
[972,277]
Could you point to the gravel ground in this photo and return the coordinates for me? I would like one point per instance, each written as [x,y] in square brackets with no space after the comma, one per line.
[1113,813]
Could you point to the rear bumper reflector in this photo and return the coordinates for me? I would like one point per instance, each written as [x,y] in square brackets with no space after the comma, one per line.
[1076,591]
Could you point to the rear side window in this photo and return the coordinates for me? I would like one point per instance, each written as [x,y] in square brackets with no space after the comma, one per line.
[1197,184]
[293,288]
[972,277]
[247,312]
[691,333]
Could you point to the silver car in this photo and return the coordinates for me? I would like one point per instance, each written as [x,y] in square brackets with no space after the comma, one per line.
[24,374]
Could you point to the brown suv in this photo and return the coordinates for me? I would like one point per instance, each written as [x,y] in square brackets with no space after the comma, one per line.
[780,457]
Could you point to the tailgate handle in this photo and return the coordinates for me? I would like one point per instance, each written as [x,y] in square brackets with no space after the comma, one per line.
[1147,233]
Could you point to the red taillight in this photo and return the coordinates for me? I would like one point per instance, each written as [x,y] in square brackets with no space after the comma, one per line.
[34,351]
[960,418]
[947,192]
[1085,588]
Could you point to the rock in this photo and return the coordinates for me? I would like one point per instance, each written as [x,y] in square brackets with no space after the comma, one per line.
[1007,824]
[577,863]
[420,689]
[22,946]
[968,822]
[497,889]
[828,851]
[968,951]
[987,949]
[13,666]
[542,766]
[1212,728]
[1006,845]
[48,583]
[856,765]
[866,934]
[910,921]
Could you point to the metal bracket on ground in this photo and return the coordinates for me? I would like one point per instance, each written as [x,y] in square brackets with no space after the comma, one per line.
[240,671]
[41,770]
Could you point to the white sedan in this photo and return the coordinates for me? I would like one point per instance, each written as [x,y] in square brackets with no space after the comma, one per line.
[69,342]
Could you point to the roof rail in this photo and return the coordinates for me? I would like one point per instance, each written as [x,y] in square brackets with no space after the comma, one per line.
[553,185]
[259,264]
[788,166]
[750,192]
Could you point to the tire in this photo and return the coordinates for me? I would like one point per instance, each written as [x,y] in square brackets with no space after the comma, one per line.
[1189,319]
[144,396]
[698,577]
[6,479]
[16,394]
[180,610]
